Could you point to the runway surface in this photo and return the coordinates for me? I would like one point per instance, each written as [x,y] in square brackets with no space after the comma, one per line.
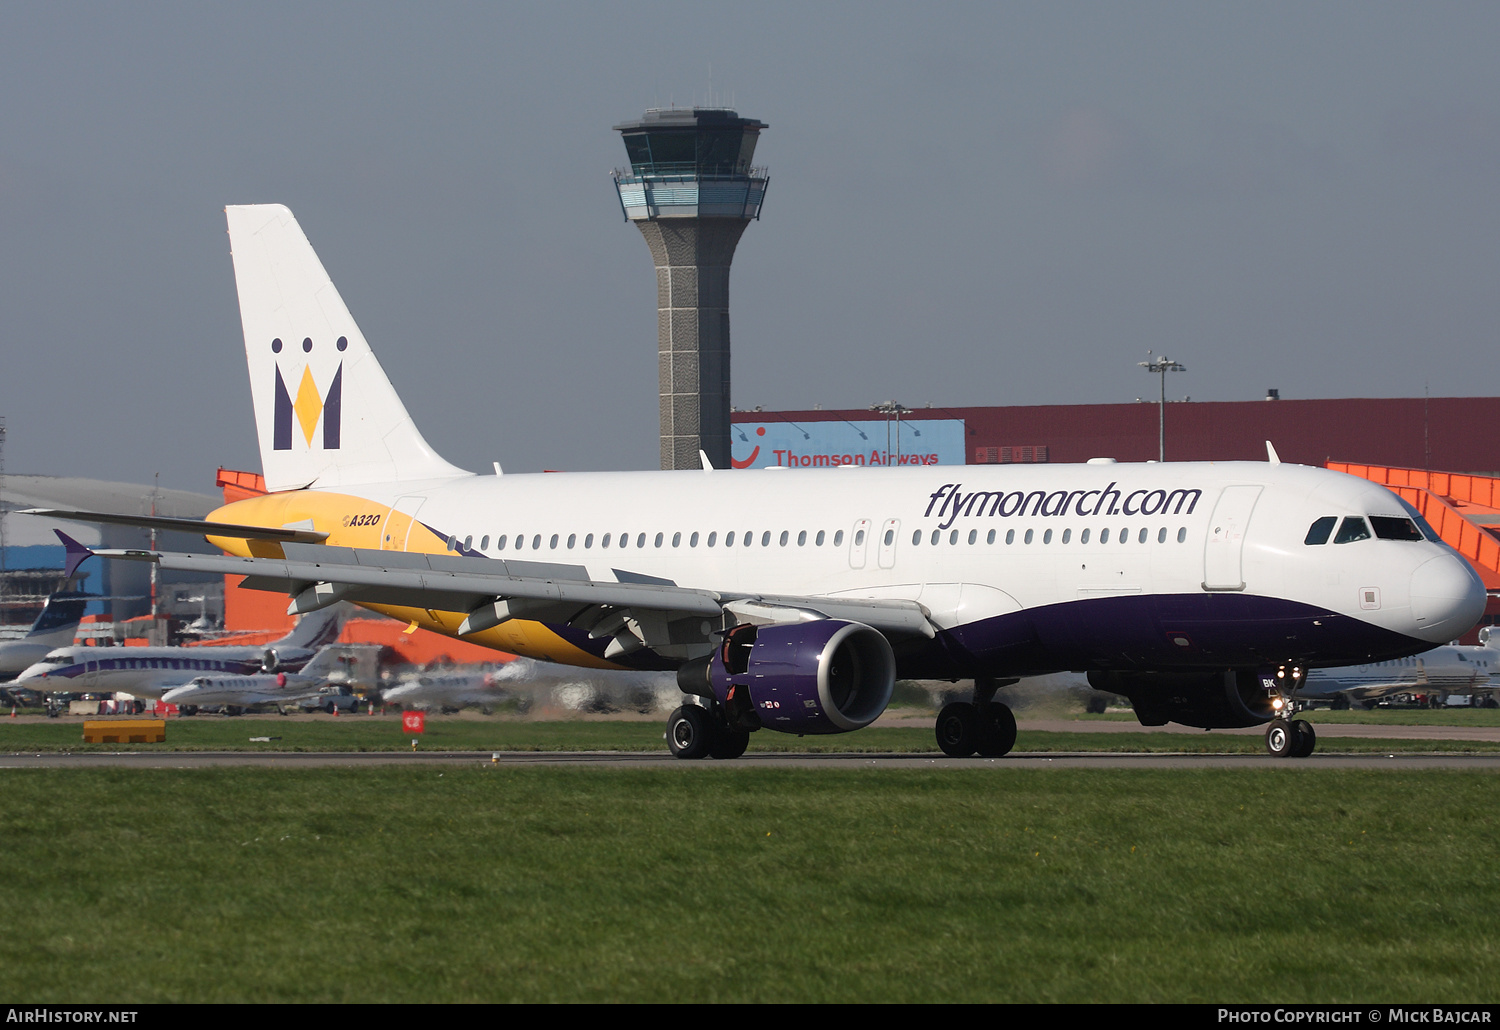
[638,760]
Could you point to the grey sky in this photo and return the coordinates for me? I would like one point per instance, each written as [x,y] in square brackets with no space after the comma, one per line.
[969,204]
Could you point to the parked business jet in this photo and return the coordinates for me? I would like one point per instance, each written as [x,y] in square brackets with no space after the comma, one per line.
[309,688]
[150,672]
[54,627]
[1435,674]
[791,600]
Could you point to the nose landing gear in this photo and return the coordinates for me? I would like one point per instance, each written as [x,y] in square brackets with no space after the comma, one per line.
[1286,736]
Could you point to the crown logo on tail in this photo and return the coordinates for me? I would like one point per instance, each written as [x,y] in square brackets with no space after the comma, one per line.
[310,406]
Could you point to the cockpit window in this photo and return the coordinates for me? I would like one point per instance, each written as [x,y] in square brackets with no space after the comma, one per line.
[1422,524]
[1353,529]
[1318,532]
[1389,528]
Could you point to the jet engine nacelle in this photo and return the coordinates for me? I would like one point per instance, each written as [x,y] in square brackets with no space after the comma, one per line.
[1210,700]
[822,676]
[269,660]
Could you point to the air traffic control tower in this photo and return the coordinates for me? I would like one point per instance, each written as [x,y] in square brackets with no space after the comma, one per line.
[691,191]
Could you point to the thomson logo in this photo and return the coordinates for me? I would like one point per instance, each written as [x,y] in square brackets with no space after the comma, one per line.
[1109,501]
[310,405]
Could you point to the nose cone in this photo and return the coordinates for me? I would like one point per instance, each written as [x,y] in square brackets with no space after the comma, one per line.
[1447,598]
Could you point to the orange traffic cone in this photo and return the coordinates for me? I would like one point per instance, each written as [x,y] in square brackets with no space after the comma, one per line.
[12,711]
[335,711]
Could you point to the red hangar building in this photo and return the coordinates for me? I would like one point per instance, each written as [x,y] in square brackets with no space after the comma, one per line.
[1438,453]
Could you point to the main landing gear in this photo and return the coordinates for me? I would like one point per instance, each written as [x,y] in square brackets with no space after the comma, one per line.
[986,727]
[696,732]
[1287,736]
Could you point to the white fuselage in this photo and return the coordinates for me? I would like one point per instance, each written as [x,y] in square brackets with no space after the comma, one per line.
[1218,547]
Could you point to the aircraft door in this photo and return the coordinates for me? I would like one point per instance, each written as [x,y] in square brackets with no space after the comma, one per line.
[859,544]
[1225,546]
[398,523]
[888,534]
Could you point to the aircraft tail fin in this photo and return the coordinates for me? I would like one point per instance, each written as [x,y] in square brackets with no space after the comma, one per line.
[316,629]
[325,412]
[59,617]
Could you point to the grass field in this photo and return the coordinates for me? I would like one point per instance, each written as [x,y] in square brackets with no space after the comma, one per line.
[713,883]
[362,733]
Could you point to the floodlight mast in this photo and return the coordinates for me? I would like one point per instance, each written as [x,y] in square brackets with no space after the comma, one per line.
[1162,366]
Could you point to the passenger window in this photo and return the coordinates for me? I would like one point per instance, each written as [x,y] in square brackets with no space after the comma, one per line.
[572,539]
[1047,537]
[1010,536]
[640,540]
[469,542]
[990,538]
[1318,532]
[973,535]
[783,538]
[553,542]
[802,538]
[659,539]
[1141,537]
[935,536]
[859,538]
[890,536]
[765,539]
[838,537]
[624,539]
[1161,535]
[953,538]
[729,539]
[818,540]
[588,541]
[1353,529]
[1067,535]
[712,537]
[1028,536]
[693,540]
[500,543]
[1083,537]
[484,544]
[676,539]
[536,542]
[605,541]
[916,537]
[1182,535]
[1104,536]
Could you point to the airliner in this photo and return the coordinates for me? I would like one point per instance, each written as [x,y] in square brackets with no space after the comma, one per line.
[150,672]
[791,599]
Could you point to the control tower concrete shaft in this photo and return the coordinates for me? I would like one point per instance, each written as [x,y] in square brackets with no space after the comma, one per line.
[691,191]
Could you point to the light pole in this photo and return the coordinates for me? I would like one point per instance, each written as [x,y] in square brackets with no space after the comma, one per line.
[1162,366]
[897,409]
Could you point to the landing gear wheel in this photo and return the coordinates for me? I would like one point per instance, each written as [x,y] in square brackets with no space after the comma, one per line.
[690,732]
[957,729]
[1305,739]
[728,743]
[1280,741]
[995,730]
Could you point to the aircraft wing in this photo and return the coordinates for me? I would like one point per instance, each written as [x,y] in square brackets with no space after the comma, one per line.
[492,591]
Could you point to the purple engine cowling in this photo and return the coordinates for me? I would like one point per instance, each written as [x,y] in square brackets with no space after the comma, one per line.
[824,676]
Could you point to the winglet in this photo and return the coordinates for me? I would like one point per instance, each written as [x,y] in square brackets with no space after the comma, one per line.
[1271,455]
[76,552]
[708,466]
